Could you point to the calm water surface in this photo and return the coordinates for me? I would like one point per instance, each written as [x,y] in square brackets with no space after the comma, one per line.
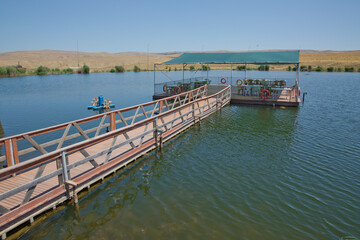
[247,172]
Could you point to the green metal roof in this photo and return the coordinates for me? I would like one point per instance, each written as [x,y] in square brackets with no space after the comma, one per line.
[281,57]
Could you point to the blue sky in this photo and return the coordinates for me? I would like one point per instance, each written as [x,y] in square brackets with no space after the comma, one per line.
[165,26]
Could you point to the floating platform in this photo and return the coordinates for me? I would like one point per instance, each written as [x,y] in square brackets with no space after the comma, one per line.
[287,97]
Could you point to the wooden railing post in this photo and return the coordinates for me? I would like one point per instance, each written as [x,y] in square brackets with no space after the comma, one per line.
[15,150]
[9,153]
[190,96]
[161,107]
[112,121]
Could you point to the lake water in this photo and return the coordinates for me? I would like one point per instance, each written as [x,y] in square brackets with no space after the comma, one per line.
[248,172]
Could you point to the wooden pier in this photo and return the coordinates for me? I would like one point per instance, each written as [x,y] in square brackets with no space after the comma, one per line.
[64,166]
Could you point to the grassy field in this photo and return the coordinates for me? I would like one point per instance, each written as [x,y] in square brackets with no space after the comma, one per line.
[101,61]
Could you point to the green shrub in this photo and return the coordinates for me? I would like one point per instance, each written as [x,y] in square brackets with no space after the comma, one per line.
[289,68]
[69,70]
[85,69]
[309,68]
[136,69]
[119,69]
[11,71]
[263,68]
[358,69]
[42,70]
[339,69]
[303,68]
[55,70]
[330,69]
[241,68]
[319,69]
[349,69]
[3,71]
[205,68]
[21,70]
[112,70]
[192,68]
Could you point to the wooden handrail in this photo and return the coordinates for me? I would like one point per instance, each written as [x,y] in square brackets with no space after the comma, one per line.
[12,155]
[6,172]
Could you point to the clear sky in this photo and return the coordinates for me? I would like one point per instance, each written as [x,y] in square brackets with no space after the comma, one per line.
[165,26]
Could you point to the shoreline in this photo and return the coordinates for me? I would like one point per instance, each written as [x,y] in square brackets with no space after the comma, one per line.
[187,70]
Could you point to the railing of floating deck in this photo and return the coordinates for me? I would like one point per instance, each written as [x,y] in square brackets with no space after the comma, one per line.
[33,186]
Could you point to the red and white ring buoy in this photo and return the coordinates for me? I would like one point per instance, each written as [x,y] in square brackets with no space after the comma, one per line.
[265,91]
[176,90]
[165,88]
[299,91]
[223,80]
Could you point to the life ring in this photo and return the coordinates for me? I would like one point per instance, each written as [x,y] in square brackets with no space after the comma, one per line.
[176,90]
[239,80]
[223,80]
[165,88]
[299,91]
[263,91]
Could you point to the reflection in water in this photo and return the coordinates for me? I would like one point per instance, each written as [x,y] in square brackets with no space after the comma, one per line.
[105,202]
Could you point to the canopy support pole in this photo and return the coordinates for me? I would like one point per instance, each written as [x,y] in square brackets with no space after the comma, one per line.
[245,72]
[231,74]
[207,72]
[154,77]
[183,72]
[297,80]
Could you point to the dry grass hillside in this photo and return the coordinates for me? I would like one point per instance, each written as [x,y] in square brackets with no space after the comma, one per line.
[105,61]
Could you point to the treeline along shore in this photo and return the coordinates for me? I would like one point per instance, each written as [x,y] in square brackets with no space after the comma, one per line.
[45,62]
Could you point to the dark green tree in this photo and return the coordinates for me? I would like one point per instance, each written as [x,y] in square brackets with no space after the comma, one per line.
[85,69]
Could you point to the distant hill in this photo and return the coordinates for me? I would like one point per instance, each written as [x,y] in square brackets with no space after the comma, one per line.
[102,61]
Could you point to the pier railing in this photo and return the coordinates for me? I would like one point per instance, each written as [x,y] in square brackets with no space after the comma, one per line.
[43,182]
[28,145]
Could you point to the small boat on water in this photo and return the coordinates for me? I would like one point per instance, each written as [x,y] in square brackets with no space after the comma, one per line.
[99,103]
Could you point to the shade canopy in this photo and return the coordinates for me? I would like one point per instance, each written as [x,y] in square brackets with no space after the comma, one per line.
[280,57]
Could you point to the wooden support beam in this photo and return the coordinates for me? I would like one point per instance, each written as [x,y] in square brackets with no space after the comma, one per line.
[31,189]
[123,119]
[92,161]
[127,138]
[142,108]
[133,121]
[35,144]
[100,126]
[66,131]
[15,150]
[82,133]
[110,151]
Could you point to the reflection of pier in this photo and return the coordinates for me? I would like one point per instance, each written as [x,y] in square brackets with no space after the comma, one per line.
[49,166]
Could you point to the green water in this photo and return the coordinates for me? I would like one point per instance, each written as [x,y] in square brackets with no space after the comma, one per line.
[247,172]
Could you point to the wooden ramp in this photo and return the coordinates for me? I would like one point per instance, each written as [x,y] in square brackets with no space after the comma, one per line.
[28,187]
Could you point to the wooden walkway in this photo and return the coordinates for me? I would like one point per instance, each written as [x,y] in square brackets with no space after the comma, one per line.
[32,186]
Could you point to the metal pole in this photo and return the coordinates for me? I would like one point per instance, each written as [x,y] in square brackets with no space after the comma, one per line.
[297,74]
[245,71]
[297,80]
[207,71]
[231,74]
[64,166]
[154,77]
[183,72]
